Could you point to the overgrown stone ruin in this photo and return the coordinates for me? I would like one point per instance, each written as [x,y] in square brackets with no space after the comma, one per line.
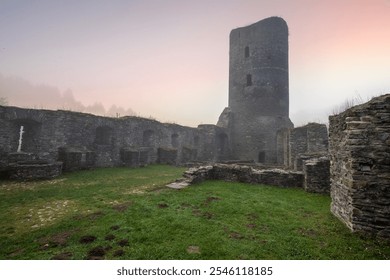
[254,135]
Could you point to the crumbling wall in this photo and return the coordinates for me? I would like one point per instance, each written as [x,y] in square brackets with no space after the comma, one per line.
[244,174]
[84,140]
[307,142]
[316,175]
[359,146]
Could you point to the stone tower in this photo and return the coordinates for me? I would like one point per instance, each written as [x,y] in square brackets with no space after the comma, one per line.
[258,90]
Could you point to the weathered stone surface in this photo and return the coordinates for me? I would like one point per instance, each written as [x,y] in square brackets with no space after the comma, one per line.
[86,141]
[34,170]
[258,90]
[317,175]
[360,166]
[245,174]
[307,142]
[76,159]
[167,156]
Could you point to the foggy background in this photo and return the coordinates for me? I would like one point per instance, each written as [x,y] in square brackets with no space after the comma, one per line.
[169,59]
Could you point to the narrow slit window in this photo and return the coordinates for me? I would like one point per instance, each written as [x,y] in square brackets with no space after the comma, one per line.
[246,51]
[249,80]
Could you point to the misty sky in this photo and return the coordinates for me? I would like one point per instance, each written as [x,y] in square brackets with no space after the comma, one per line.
[169,59]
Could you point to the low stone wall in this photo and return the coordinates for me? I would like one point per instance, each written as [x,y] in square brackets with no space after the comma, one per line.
[245,174]
[360,166]
[76,159]
[34,171]
[316,175]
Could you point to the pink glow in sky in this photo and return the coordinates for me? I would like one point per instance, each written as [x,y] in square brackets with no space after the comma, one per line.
[169,59]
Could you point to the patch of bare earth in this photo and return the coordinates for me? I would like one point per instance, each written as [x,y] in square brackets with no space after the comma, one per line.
[56,240]
[162,205]
[193,250]
[86,239]
[122,207]
[96,253]
[63,256]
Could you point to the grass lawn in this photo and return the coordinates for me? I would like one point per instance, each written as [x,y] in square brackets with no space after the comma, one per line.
[122,213]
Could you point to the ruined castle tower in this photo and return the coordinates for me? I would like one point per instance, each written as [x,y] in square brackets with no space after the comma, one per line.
[258,90]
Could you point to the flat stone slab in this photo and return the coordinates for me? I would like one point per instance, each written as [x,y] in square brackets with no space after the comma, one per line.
[178,185]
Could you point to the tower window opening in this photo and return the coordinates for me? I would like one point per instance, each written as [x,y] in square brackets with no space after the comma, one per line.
[249,80]
[246,51]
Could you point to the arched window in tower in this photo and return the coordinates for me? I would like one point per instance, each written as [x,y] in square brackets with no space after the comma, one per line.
[246,51]
[249,80]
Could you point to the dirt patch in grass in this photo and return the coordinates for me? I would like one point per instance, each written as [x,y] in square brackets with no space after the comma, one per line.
[123,206]
[307,232]
[199,213]
[184,205]
[56,240]
[62,256]
[123,242]
[252,216]
[115,227]
[118,253]
[16,253]
[96,253]
[210,199]
[87,239]
[236,235]
[251,226]
[193,250]
[89,216]
[162,205]
[109,237]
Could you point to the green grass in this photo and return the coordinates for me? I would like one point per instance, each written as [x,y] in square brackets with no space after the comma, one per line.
[122,213]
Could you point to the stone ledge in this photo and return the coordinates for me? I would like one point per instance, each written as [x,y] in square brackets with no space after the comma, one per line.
[34,171]
[240,173]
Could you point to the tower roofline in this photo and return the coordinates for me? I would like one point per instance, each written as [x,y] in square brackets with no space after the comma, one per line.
[274,20]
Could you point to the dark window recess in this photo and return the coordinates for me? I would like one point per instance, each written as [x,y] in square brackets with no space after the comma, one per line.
[246,52]
[147,138]
[261,157]
[249,80]
[175,140]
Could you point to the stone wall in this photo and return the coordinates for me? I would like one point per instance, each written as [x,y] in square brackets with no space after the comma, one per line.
[34,171]
[306,142]
[83,140]
[244,174]
[317,175]
[359,145]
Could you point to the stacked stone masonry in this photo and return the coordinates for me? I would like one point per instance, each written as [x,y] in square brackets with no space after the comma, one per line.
[317,175]
[84,141]
[244,174]
[359,144]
